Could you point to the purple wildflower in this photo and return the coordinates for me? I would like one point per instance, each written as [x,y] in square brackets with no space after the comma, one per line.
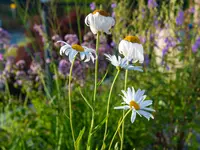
[142,40]
[1,57]
[146,59]
[71,39]
[164,51]
[4,38]
[63,67]
[92,6]
[113,5]
[113,14]
[192,10]
[180,18]
[113,44]
[152,4]
[167,68]
[196,45]
[40,30]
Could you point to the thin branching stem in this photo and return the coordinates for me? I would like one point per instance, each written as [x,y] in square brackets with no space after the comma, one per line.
[118,127]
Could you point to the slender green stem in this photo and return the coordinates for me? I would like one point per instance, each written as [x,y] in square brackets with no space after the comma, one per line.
[57,112]
[70,102]
[60,138]
[78,20]
[118,128]
[7,89]
[96,66]
[92,121]
[125,85]
[108,107]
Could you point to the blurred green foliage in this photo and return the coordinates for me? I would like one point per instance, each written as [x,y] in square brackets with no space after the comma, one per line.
[40,121]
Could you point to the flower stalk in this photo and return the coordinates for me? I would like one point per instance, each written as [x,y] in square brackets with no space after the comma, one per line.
[70,102]
[118,128]
[96,65]
[108,106]
[125,85]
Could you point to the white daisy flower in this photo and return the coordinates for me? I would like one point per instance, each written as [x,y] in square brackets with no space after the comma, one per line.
[122,63]
[72,51]
[131,48]
[136,102]
[99,21]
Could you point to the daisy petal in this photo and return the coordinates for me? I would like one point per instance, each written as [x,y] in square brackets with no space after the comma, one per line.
[133,116]
[122,107]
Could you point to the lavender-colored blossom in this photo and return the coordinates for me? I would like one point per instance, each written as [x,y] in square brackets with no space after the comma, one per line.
[146,59]
[167,67]
[63,67]
[113,44]
[4,38]
[1,57]
[56,38]
[71,39]
[142,39]
[143,13]
[113,5]
[113,14]
[152,4]
[180,18]
[196,45]
[89,44]
[164,51]
[92,6]
[40,30]
[192,10]
[170,42]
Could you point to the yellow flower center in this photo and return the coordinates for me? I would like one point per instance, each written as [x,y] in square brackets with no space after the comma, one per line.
[13,6]
[78,47]
[134,104]
[101,12]
[133,39]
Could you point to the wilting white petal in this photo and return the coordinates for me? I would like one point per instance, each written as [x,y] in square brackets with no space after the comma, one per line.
[122,107]
[99,23]
[132,51]
[146,114]
[133,116]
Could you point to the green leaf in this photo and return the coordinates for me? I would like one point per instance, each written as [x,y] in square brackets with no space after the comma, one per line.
[79,138]
[100,82]
[99,125]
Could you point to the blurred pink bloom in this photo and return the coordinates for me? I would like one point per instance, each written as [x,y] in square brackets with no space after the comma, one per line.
[1,57]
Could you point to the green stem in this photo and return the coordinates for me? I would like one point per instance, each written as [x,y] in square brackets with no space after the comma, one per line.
[108,104]
[60,138]
[118,128]
[125,85]
[96,66]
[92,121]
[70,102]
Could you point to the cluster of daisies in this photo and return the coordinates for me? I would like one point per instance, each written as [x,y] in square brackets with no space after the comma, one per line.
[132,51]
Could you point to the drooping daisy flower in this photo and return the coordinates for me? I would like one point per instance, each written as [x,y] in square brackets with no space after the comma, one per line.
[99,21]
[72,51]
[131,48]
[136,102]
[121,63]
